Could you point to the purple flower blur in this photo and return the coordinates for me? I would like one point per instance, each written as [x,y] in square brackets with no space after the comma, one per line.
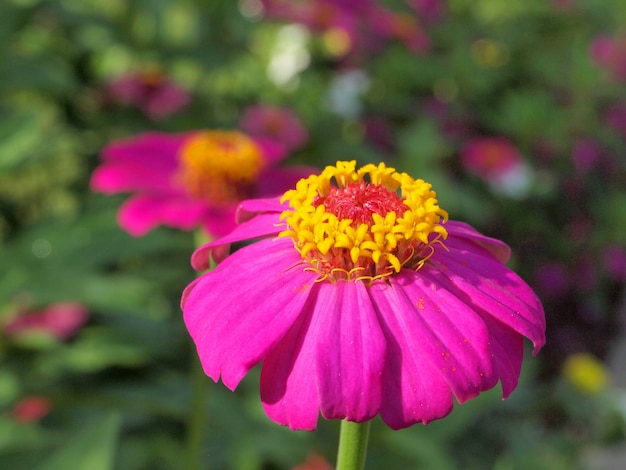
[352,27]
[274,123]
[361,299]
[192,179]
[610,53]
[151,91]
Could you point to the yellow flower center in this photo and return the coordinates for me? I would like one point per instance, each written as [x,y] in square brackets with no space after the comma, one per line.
[219,166]
[363,224]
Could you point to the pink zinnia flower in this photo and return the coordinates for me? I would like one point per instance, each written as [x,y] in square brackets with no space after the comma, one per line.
[401,26]
[278,124]
[610,53]
[61,320]
[351,26]
[151,91]
[31,409]
[190,180]
[498,162]
[362,299]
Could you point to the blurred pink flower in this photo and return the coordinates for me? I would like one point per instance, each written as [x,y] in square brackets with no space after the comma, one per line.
[360,298]
[314,462]
[380,133]
[453,124]
[614,258]
[552,278]
[278,124]
[352,26]
[610,53]
[31,409]
[586,155]
[430,11]
[151,91]
[498,162]
[403,27]
[190,180]
[615,117]
[61,320]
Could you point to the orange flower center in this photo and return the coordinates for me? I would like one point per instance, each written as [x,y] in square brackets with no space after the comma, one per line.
[219,166]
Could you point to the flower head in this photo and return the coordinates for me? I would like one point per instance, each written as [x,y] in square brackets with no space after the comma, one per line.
[498,163]
[278,124]
[190,180]
[352,27]
[610,54]
[361,299]
[61,320]
[31,409]
[149,90]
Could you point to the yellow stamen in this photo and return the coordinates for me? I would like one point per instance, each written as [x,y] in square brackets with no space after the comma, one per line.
[219,166]
[404,222]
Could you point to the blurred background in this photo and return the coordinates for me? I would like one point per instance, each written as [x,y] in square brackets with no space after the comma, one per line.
[515,111]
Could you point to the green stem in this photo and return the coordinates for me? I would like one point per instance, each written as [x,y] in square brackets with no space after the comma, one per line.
[198,381]
[196,421]
[352,445]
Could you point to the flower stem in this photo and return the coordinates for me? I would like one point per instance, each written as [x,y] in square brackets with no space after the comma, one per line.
[352,445]
[196,420]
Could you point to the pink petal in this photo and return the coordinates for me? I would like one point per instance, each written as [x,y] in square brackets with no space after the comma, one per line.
[275,181]
[330,360]
[452,337]
[493,289]
[251,207]
[496,247]
[288,380]
[146,162]
[262,225]
[143,212]
[506,344]
[350,354]
[147,148]
[235,323]
[220,220]
[414,390]
[273,152]
[117,177]
[508,353]
[166,100]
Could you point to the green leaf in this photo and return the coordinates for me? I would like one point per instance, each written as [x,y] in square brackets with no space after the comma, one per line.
[20,133]
[98,348]
[92,448]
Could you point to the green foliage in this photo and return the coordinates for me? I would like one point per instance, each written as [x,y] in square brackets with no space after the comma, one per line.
[92,448]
